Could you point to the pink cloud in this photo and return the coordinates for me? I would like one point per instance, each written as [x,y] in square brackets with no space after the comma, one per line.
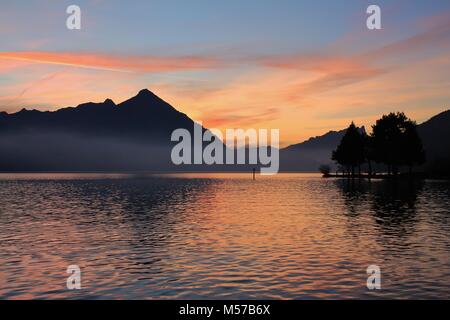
[113,62]
[8,66]
[235,117]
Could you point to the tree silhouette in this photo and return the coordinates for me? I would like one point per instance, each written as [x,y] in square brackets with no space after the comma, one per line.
[395,142]
[386,137]
[412,148]
[369,152]
[350,151]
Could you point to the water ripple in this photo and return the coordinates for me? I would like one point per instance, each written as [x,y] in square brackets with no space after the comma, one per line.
[221,236]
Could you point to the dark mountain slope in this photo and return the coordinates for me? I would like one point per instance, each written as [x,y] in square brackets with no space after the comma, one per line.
[310,154]
[134,135]
[435,135]
[144,117]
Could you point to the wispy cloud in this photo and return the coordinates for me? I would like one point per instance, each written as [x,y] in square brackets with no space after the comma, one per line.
[235,117]
[327,72]
[436,36]
[123,63]
[295,91]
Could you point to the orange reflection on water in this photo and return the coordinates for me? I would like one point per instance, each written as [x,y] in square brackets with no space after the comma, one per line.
[220,236]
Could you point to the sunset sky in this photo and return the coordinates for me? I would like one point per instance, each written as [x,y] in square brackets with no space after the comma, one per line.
[304,67]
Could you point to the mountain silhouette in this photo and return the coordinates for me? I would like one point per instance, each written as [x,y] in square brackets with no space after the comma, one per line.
[435,134]
[310,154]
[135,136]
[144,117]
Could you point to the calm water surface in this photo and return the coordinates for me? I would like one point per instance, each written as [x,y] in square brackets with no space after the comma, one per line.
[291,236]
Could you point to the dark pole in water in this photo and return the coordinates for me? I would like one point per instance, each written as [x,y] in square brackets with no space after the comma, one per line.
[254,170]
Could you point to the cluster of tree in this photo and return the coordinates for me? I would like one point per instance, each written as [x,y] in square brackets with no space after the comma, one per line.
[394,141]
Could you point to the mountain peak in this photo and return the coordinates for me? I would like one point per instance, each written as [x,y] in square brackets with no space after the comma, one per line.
[145,92]
[147,100]
[145,96]
[109,102]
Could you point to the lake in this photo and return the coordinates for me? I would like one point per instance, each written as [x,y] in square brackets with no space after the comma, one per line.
[222,236]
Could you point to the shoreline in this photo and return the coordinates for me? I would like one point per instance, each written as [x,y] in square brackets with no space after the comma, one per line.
[383,176]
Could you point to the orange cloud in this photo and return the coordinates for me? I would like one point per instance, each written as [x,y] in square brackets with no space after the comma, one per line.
[436,37]
[235,117]
[66,87]
[326,72]
[316,63]
[301,94]
[113,62]
[306,94]
[7,66]
[334,72]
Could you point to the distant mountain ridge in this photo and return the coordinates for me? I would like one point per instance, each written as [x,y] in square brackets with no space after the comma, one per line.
[143,117]
[131,136]
[310,154]
[329,139]
[435,135]
[135,136]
